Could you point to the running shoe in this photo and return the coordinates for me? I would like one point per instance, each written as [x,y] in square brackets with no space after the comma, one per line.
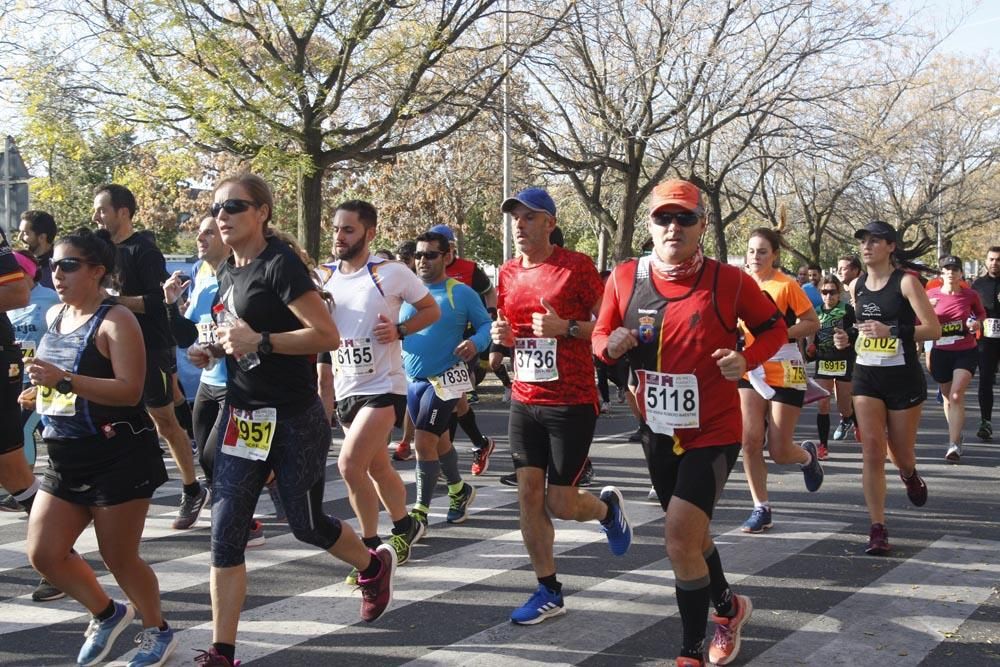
[155,647]
[541,605]
[685,661]
[621,394]
[190,509]
[481,457]
[616,526]
[403,451]
[421,516]
[652,495]
[100,635]
[605,407]
[878,540]
[473,397]
[506,395]
[759,520]
[587,478]
[509,480]
[842,428]
[458,508]
[404,542]
[916,489]
[954,453]
[9,504]
[985,431]
[812,471]
[46,592]
[726,643]
[212,658]
[822,452]
[279,507]
[939,398]
[376,593]
[256,537]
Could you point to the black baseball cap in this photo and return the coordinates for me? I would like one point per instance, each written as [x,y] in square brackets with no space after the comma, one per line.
[878,229]
[949,261]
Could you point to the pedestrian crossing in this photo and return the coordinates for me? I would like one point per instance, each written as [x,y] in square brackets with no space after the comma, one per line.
[818,601]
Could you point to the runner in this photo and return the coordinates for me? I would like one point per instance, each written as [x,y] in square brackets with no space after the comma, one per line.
[368,374]
[954,357]
[674,315]
[272,322]
[141,271]
[545,300]
[848,270]
[772,394]
[436,362]
[104,459]
[988,288]
[833,367]
[889,385]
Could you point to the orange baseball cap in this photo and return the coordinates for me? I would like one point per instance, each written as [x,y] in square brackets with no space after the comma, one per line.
[676,192]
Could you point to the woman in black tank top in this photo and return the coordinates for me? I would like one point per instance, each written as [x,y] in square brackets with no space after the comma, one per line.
[104,462]
[889,384]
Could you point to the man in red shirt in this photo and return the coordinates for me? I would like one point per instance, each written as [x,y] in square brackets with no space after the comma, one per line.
[675,313]
[545,300]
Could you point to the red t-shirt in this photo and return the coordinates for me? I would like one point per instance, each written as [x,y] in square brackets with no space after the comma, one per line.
[700,318]
[461,270]
[570,283]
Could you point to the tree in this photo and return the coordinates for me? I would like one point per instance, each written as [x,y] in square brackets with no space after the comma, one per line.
[305,85]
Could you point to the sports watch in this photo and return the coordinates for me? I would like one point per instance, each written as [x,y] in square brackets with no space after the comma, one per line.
[401,331]
[574,329]
[264,346]
[65,386]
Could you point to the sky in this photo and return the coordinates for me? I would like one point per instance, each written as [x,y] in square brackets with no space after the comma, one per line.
[978,32]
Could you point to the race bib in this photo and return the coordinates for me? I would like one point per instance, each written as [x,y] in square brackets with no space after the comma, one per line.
[795,374]
[453,383]
[671,401]
[832,367]
[249,433]
[535,360]
[879,351]
[53,403]
[355,357]
[27,350]
[206,333]
[951,332]
[991,327]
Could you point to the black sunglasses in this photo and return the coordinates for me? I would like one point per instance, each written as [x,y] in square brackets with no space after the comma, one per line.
[828,291]
[682,219]
[427,254]
[69,264]
[231,206]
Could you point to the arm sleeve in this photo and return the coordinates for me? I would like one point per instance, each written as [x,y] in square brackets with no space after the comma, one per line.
[184,331]
[151,271]
[756,309]
[608,319]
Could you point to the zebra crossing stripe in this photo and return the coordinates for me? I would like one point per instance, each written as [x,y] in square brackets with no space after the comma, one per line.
[622,606]
[903,615]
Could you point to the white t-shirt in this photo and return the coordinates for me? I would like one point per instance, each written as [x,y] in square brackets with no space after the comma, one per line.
[362,366]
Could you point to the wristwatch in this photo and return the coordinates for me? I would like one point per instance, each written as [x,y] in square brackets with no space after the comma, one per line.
[894,331]
[264,346]
[65,386]
[401,331]
[574,329]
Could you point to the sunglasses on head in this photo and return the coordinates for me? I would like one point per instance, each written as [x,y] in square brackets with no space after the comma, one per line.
[682,219]
[231,206]
[427,254]
[68,264]
[828,291]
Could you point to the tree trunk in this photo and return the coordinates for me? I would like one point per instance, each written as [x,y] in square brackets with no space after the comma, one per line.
[718,229]
[626,226]
[602,248]
[310,205]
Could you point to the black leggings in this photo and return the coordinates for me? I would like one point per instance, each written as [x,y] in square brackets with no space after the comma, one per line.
[206,417]
[989,354]
[618,373]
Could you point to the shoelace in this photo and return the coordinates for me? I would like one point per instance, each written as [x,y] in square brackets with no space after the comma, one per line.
[146,640]
[92,628]
[206,658]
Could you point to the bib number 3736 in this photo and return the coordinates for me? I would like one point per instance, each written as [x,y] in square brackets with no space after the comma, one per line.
[535,360]
[671,401]
[249,433]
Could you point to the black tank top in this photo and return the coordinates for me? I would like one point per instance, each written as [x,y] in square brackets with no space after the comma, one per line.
[889,306]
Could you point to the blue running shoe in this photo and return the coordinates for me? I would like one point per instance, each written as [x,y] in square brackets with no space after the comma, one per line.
[155,647]
[458,507]
[812,471]
[616,526]
[100,635]
[759,521]
[542,605]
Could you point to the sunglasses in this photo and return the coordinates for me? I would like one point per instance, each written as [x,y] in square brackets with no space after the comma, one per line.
[69,264]
[828,292]
[231,206]
[682,219]
[427,254]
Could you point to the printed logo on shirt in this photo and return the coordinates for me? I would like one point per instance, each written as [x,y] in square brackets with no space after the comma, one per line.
[871,309]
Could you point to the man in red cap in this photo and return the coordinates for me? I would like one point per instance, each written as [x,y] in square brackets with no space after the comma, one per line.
[674,314]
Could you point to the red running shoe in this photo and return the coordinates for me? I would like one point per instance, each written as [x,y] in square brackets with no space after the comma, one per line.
[212,658]
[916,489]
[403,452]
[376,593]
[726,643]
[684,661]
[481,457]
[822,452]
[878,540]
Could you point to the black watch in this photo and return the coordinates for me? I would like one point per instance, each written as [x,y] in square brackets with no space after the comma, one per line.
[573,331]
[65,386]
[894,331]
[264,346]
[401,331]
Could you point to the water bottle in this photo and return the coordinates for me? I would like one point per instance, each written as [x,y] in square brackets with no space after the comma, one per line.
[225,318]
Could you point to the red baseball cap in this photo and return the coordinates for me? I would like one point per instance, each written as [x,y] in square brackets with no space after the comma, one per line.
[676,192]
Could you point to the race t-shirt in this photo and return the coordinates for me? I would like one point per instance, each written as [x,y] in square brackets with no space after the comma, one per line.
[953,311]
[430,351]
[10,271]
[29,322]
[141,271]
[570,283]
[259,293]
[361,365]
[792,303]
